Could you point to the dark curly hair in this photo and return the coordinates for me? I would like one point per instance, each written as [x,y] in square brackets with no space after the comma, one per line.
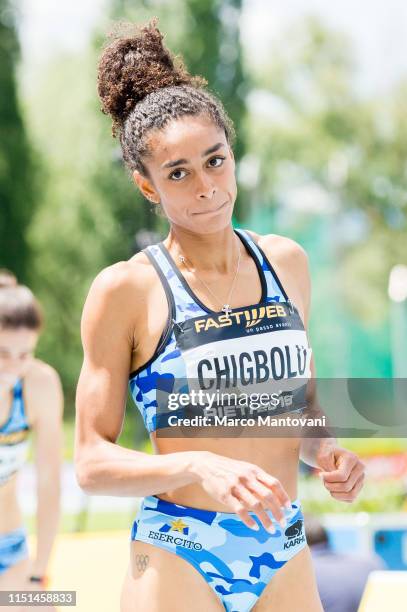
[142,85]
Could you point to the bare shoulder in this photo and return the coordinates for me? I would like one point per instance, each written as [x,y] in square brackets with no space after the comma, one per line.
[115,309]
[290,261]
[124,276]
[43,391]
[280,248]
[42,373]
[123,285]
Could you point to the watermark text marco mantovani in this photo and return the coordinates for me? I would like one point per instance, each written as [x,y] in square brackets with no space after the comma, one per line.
[217,413]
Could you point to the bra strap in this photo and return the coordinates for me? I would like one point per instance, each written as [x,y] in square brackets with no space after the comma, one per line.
[275,289]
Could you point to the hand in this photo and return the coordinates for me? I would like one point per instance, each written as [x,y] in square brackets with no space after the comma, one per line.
[243,486]
[342,473]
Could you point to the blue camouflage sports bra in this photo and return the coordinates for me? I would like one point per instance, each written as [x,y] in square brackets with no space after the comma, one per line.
[14,436]
[253,345]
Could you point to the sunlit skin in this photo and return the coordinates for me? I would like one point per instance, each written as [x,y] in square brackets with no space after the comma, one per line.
[191,190]
[123,317]
[43,402]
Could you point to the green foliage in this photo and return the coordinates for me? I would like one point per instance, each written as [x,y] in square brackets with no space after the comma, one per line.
[18,170]
[385,496]
[332,176]
[377,446]
[90,211]
[353,149]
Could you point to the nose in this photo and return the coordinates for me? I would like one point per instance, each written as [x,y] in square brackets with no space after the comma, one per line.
[206,189]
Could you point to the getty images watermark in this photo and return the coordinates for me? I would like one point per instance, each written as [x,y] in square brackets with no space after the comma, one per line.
[318,407]
[230,403]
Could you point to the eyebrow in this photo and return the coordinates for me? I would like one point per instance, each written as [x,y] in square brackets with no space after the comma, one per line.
[177,162]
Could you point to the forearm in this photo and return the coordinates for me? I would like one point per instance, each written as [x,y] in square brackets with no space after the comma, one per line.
[110,469]
[48,512]
[317,439]
[311,448]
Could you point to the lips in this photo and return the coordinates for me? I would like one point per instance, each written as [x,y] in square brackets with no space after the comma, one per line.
[205,212]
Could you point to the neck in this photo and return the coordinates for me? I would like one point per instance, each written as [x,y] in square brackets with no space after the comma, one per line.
[213,253]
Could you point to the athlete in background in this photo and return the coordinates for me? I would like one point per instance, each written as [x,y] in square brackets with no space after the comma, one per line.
[31,399]
[220,525]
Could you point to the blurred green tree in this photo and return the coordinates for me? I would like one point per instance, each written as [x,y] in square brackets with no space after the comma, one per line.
[332,174]
[89,212]
[18,184]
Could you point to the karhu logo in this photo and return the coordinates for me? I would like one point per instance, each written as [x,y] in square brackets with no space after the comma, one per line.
[294,534]
[294,530]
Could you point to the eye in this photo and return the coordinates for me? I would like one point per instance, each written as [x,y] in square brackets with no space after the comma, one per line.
[171,176]
[217,157]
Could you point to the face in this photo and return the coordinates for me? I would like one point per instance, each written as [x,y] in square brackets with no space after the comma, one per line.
[192,174]
[17,348]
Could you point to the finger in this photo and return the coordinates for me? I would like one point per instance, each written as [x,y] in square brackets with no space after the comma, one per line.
[238,508]
[327,462]
[268,500]
[276,487]
[345,487]
[254,505]
[343,471]
[349,497]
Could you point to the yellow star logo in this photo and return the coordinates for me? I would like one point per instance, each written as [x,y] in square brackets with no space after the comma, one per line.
[178,525]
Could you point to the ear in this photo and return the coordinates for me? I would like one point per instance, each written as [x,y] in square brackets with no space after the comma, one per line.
[146,187]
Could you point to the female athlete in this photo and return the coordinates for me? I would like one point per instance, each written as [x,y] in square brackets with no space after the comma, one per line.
[220,525]
[30,400]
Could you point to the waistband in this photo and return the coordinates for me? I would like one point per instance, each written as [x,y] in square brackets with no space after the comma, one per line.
[211,517]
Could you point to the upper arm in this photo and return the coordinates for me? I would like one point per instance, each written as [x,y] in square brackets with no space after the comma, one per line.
[107,331]
[45,396]
[292,264]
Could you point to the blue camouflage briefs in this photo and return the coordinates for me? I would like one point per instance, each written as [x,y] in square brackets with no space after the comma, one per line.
[236,561]
[13,548]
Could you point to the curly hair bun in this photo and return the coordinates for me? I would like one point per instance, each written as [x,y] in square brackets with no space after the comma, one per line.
[135,64]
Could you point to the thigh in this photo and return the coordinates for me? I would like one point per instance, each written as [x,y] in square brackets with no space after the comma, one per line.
[160,581]
[293,587]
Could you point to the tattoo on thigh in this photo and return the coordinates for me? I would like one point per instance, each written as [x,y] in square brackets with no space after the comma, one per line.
[141,562]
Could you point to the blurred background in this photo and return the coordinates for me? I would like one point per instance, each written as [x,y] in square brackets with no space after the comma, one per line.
[318,94]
